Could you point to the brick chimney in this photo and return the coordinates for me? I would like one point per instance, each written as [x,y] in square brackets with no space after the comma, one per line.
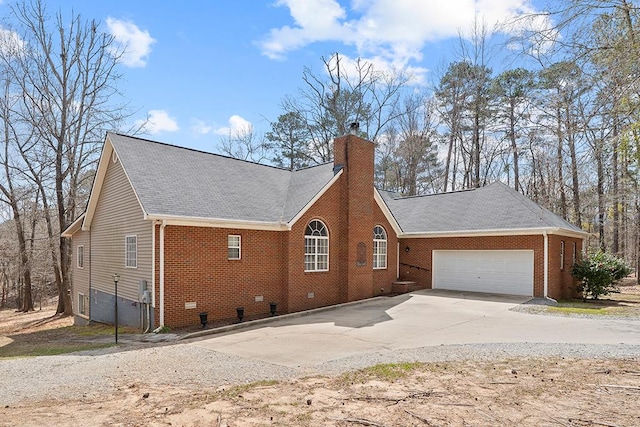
[356,157]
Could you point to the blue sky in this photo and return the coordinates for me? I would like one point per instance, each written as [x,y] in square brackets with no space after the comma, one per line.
[201,69]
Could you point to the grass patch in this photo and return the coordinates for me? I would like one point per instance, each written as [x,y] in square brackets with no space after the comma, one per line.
[10,351]
[238,390]
[97,329]
[578,310]
[384,372]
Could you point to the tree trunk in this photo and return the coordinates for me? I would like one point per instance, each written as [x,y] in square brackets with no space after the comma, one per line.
[514,145]
[599,220]
[615,201]
[559,157]
[27,298]
[575,186]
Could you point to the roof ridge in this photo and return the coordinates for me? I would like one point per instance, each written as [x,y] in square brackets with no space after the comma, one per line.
[401,197]
[195,150]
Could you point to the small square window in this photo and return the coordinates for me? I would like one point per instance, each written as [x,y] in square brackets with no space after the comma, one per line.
[80,256]
[131,251]
[233,246]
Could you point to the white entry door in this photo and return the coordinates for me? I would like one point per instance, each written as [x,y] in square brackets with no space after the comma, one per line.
[499,272]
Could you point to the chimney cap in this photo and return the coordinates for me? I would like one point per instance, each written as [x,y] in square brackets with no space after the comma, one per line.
[353,128]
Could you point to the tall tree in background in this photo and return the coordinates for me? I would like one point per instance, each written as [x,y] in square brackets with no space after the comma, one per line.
[64,73]
[463,101]
[408,158]
[290,138]
[512,90]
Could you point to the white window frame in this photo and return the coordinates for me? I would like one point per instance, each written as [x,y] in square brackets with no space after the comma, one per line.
[80,256]
[561,254]
[316,247]
[575,253]
[379,248]
[82,309]
[232,246]
[131,256]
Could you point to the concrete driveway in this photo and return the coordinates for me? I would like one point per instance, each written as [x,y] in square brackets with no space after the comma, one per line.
[420,319]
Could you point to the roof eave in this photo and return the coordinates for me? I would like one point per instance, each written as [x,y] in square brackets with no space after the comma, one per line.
[386,212]
[497,232]
[315,199]
[74,226]
[189,221]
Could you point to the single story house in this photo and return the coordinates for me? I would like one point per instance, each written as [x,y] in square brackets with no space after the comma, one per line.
[189,232]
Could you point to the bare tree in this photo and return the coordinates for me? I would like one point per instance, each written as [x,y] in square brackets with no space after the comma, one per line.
[66,74]
[350,92]
[243,144]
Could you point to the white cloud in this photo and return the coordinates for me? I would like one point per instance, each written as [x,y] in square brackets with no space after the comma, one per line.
[200,127]
[237,127]
[135,42]
[390,30]
[158,121]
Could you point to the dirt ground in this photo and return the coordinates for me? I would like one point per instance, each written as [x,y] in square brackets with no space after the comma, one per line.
[515,392]
[529,392]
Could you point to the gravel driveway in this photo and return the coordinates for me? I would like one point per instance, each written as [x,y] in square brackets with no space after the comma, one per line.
[216,361]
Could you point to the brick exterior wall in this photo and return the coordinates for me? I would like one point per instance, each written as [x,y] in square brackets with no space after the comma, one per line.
[197,270]
[356,156]
[561,284]
[383,278]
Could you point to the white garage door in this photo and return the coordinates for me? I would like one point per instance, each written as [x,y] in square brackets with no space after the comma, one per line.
[500,272]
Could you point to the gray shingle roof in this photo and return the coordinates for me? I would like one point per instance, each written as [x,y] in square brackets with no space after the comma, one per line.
[494,207]
[180,182]
[175,181]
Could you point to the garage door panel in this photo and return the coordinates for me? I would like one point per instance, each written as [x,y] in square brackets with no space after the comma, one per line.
[505,272]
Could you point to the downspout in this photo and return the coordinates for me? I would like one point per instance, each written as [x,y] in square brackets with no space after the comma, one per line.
[546,264]
[153,277]
[162,227]
[398,261]
[90,286]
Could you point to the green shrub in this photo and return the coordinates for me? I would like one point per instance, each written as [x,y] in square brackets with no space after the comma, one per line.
[598,274]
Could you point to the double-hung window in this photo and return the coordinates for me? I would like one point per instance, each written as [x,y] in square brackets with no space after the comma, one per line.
[379,247]
[233,246]
[131,251]
[316,247]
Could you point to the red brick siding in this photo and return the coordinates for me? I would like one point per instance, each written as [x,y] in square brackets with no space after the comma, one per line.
[328,287]
[383,278]
[357,157]
[197,270]
[562,285]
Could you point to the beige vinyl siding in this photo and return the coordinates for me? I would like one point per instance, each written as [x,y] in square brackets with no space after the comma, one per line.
[81,276]
[118,214]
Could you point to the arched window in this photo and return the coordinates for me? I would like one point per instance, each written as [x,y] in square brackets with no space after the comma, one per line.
[379,247]
[316,247]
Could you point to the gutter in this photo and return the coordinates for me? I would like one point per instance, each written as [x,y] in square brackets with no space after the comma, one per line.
[496,232]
